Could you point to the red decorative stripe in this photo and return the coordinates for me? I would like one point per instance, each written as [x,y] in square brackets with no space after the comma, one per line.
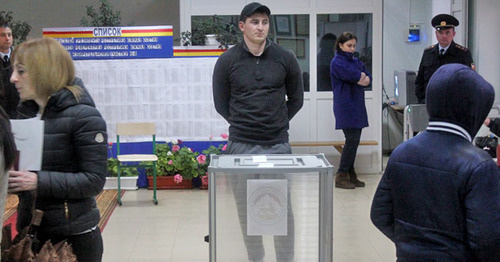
[66,32]
[147,31]
[199,50]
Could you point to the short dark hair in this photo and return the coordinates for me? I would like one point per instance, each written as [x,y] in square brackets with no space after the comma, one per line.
[344,37]
[4,24]
[327,41]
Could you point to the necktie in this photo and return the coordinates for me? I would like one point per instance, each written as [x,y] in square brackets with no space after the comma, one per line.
[441,52]
[6,59]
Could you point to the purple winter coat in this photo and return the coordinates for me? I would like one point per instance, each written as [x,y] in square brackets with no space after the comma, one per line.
[348,97]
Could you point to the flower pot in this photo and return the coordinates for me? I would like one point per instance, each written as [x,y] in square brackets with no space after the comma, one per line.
[126,183]
[204,182]
[167,182]
[211,40]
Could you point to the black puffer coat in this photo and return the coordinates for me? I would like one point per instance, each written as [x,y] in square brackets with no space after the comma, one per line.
[74,165]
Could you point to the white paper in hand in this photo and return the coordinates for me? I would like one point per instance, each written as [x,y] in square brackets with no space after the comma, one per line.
[28,134]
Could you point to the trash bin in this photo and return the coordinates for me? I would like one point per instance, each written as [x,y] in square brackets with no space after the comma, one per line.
[270,207]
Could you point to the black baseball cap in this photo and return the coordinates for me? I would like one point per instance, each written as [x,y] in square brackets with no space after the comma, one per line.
[253,8]
[443,21]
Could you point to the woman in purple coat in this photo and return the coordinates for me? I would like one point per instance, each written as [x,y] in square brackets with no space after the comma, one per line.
[349,78]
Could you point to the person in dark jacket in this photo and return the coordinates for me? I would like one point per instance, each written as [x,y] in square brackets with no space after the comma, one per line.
[493,124]
[74,161]
[325,56]
[258,89]
[349,79]
[439,197]
[9,98]
[446,51]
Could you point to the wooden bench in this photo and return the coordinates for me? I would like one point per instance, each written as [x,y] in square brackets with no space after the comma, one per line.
[336,144]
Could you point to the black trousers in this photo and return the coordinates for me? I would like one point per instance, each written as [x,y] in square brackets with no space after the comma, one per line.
[87,247]
[352,137]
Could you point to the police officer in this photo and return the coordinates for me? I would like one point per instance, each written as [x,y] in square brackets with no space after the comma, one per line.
[445,52]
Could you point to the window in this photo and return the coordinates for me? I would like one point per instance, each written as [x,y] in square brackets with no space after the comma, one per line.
[329,27]
[292,32]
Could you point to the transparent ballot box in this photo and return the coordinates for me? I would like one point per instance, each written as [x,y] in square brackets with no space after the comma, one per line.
[270,208]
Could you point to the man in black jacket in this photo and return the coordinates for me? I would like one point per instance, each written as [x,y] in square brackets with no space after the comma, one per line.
[9,98]
[258,88]
[445,52]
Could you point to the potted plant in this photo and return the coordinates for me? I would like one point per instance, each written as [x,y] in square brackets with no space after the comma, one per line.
[128,177]
[203,160]
[176,166]
[181,167]
[225,33]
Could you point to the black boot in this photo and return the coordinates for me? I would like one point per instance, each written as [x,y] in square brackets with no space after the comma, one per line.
[354,179]
[342,181]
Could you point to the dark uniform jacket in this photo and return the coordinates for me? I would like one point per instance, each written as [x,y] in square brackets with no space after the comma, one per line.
[439,197]
[74,165]
[431,61]
[258,95]
[9,97]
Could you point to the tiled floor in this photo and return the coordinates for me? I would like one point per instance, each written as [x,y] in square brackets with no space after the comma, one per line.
[173,231]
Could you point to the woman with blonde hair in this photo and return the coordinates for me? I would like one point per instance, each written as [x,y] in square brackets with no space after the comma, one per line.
[74,162]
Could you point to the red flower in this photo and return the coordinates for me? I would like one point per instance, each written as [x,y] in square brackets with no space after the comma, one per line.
[175,148]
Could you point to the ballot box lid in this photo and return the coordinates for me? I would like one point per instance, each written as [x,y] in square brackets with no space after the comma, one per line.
[270,163]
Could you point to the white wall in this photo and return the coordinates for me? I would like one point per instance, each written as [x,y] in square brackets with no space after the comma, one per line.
[485,39]
[398,53]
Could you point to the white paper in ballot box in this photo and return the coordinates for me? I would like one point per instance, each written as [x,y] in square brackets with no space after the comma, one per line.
[28,134]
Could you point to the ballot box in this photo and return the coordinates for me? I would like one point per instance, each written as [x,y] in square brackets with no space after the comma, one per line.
[270,208]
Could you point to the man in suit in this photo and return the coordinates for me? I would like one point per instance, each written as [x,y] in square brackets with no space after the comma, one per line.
[446,51]
[9,98]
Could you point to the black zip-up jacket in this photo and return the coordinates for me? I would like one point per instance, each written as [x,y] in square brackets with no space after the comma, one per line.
[258,95]
[74,165]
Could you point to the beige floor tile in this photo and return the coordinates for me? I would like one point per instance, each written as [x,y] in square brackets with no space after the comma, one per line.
[173,230]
